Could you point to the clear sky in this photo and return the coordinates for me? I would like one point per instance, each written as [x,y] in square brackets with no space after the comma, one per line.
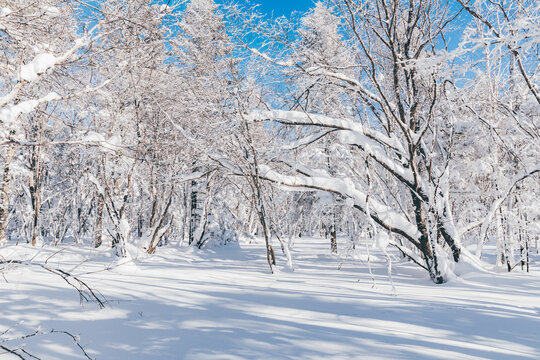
[283,7]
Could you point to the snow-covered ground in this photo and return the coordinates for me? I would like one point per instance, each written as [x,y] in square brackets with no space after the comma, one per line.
[224,304]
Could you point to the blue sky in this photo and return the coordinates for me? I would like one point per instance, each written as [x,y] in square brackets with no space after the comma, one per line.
[283,7]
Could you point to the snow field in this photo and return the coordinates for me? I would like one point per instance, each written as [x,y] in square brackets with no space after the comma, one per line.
[224,304]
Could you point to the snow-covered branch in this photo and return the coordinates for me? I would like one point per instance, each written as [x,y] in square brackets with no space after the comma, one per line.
[351,133]
[384,215]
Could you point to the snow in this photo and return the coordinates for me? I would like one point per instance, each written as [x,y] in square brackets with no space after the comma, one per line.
[378,153]
[52,11]
[45,61]
[8,114]
[40,64]
[5,11]
[164,8]
[524,173]
[93,136]
[115,140]
[346,188]
[357,131]
[112,144]
[269,59]
[382,240]
[184,303]
[301,118]
[357,85]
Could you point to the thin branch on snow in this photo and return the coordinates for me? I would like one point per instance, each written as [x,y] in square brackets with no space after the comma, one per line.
[86,293]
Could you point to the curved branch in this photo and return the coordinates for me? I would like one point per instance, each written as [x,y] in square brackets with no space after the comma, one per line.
[497,203]
[382,214]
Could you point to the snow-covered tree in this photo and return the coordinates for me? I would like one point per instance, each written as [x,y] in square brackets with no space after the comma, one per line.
[396,126]
[500,105]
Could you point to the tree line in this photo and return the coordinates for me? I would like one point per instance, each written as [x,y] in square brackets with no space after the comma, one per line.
[410,124]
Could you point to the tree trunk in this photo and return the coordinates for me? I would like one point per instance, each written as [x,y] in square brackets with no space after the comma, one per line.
[99,222]
[203,222]
[187,215]
[156,236]
[193,215]
[5,192]
[35,194]
[333,237]
[426,247]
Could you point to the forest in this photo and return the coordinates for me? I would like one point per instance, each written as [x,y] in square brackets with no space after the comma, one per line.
[407,128]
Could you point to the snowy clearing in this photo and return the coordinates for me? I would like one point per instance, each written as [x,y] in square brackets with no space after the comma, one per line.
[167,153]
[184,303]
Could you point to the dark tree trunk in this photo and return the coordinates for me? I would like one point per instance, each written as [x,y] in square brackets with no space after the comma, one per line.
[155,238]
[425,245]
[99,221]
[333,237]
[193,214]
[5,192]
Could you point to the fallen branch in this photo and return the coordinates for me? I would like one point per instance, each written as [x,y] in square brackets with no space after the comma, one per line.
[17,351]
[85,292]
[11,351]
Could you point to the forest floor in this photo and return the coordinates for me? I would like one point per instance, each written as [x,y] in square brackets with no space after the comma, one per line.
[184,303]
